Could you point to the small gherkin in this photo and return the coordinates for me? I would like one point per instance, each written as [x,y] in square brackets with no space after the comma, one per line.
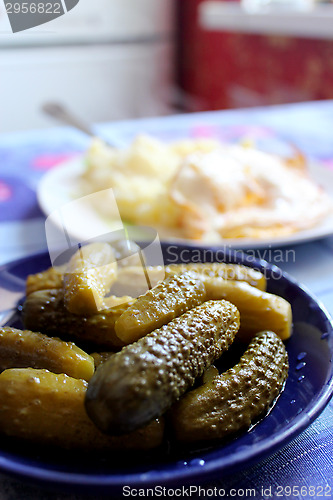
[167,300]
[144,379]
[232,401]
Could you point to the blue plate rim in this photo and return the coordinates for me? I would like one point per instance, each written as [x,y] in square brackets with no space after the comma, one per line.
[245,457]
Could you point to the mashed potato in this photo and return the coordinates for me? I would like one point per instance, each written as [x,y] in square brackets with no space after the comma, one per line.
[204,190]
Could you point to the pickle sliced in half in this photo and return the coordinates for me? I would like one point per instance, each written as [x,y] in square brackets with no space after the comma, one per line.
[88,278]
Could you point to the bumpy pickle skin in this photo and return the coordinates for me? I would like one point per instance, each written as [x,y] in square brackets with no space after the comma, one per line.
[45,280]
[232,272]
[145,378]
[89,275]
[46,408]
[24,349]
[167,300]
[232,401]
[258,310]
[132,281]
[44,311]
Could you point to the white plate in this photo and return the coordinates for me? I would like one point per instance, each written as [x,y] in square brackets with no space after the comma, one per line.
[59,186]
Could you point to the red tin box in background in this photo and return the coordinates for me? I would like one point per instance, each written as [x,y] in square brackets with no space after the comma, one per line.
[229,70]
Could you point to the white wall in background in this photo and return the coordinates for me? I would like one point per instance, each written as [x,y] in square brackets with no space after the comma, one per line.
[97,20]
[99,83]
[105,59]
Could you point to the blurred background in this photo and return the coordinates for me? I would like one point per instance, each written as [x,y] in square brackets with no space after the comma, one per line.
[116,59]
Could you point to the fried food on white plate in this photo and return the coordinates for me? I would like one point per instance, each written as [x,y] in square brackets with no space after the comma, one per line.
[240,192]
[206,190]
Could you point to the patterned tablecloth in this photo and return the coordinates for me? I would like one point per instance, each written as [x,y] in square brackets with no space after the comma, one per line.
[25,157]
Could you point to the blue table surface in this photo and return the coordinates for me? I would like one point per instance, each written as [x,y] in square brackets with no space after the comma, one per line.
[26,156]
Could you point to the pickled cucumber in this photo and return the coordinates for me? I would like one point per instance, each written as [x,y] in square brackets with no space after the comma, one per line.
[23,349]
[131,280]
[44,311]
[46,280]
[258,310]
[158,306]
[88,278]
[233,400]
[233,272]
[145,378]
[42,407]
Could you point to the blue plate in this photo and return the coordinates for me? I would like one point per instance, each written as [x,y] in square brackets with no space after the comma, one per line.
[307,391]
